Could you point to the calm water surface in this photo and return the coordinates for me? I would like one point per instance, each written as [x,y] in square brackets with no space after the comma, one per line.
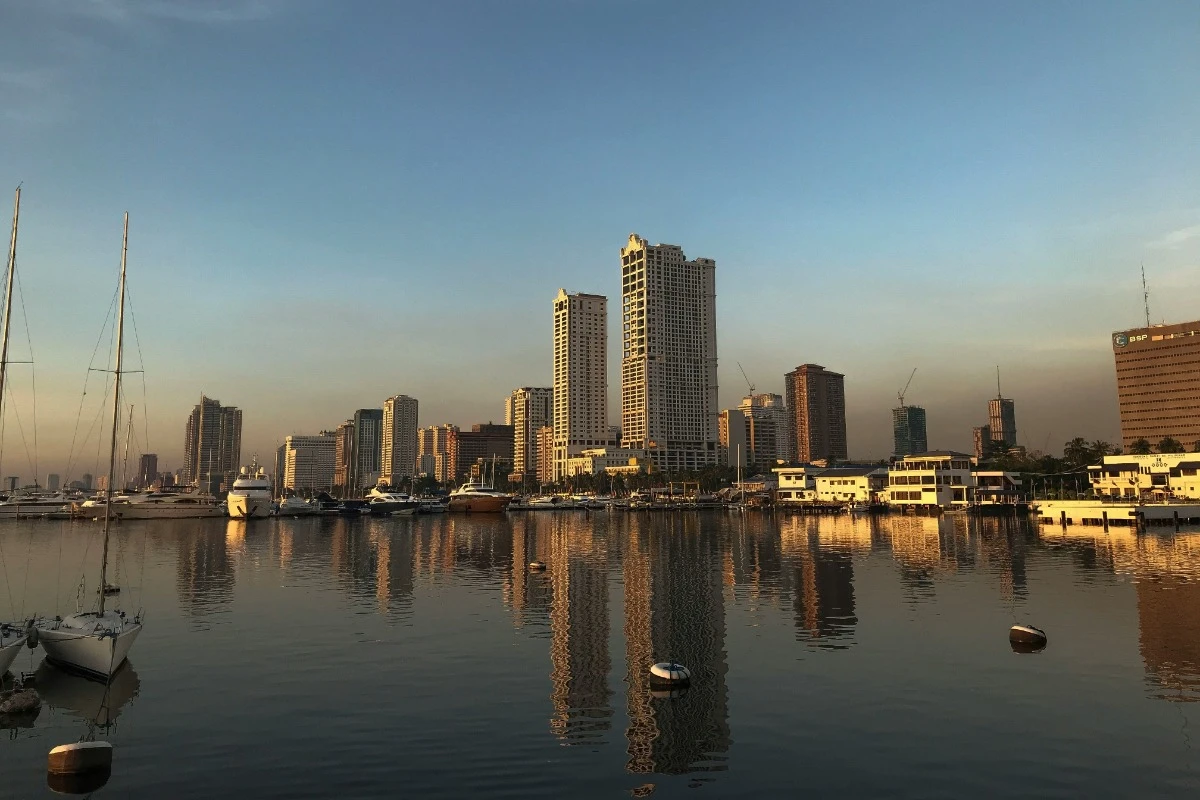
[419,657]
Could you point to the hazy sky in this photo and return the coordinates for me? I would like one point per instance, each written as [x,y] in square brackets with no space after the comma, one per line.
[333,201]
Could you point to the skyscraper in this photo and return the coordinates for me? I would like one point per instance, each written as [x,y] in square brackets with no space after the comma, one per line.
[1002,421]
[908,429]
[733,434]
[212,445]
[668,355]
[580,375]
[53,482]
[147,470]
[487,442]
[981,436]
[1158,383]
[343,451]
[767,426]
[308,462]
[816,403]
[365,450]
[398,449]
[528,409]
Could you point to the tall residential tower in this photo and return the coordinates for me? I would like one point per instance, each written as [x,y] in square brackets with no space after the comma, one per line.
[669,355]
[816,403]
[212,445]
[528,409]
[580,376]
[398,448]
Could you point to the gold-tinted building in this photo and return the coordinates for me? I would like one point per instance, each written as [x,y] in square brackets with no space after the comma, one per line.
[1158,383]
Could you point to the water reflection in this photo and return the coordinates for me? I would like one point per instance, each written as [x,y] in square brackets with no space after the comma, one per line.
[84,698]
[204,574]
[674,610]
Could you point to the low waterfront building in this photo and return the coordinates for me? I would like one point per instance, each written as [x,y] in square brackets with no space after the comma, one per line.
[1158,476]
[851,484]
[995,487]
[797,484]
[613,460]
[939,478]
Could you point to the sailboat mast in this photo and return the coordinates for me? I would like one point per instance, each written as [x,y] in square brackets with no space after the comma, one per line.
[12,268]
[116,417]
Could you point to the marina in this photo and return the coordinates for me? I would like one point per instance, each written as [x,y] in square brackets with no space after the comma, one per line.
[538,682]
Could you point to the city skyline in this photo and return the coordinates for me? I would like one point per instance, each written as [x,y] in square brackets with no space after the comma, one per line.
[961,164]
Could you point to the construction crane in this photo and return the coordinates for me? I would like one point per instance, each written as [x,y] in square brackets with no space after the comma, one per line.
[747,377]
[902,392]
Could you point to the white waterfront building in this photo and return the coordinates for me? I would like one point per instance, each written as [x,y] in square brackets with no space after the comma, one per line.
[1158,476]
[940,478]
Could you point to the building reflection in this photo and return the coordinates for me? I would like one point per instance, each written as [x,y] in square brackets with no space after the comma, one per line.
[204,573]
[577,567]
[674,610]
[822,577]
[1169,623]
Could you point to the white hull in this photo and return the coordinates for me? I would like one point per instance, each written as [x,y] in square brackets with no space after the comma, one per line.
[15,510]
[164,510]
[81,647]
[9,652]
[243,507]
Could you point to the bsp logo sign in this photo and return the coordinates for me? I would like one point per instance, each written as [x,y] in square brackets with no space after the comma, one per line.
[1123,339]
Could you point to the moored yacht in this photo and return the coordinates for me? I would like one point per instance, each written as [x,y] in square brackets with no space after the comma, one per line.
[250,497]
[296,507]
[11,639]
[35,504]
[382,500]
[478,498]
[158,505]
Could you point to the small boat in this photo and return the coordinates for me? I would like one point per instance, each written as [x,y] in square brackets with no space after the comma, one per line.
[478,498]
[552,503]
[250,497]
[97,642]
[858,508]
[12,637]
[1027,635]
[431,505]
[296,507]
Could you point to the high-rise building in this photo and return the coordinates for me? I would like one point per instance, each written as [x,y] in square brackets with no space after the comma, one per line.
[816,403]
[365,450]
[102,483]
[545,463]
[1158,383]
[580,393]
[433,451]
[53,482]
[147,470]
[398,449]
[908,431]
[86,479]
[212,445]
[1002,421]
[981,436]
[493,444]
[668,355]
[308,462]
[528,410]
[767,425]
[343,451]
[733,433]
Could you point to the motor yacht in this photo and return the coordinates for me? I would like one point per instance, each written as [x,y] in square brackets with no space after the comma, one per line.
[250,497]
[478,498]
[383,501]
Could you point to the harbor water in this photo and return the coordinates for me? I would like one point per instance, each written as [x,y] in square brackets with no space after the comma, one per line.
[420,656]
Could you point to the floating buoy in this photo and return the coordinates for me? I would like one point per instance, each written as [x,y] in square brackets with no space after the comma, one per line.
[68,783]
[537,566]
[1027,636]
[80,758]
[25,701]
[668,673]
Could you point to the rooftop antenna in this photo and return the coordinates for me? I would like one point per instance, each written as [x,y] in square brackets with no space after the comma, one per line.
[904,391]
[999,394]
[1145,295]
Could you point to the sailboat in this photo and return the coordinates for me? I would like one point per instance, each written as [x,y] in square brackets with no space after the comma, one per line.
[11,636]
[97,642]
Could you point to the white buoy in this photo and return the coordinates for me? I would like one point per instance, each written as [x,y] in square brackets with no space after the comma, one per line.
[537,566]
[668,672]
[1027,635]
[79,758]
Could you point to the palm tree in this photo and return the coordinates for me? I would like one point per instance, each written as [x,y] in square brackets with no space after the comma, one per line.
[1076,452]
[1169,445]
[1141,447]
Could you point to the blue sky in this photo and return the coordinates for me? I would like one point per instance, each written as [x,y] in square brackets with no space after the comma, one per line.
[332,202]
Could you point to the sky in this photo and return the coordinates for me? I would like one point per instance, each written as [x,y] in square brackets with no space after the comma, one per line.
[334,201]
